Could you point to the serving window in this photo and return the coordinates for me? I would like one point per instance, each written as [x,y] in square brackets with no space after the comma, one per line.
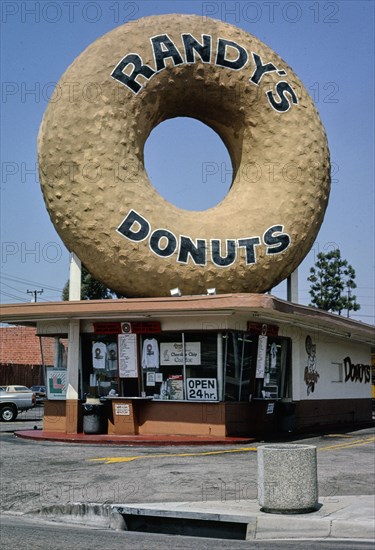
[187,366]
[180,366]
[100,365]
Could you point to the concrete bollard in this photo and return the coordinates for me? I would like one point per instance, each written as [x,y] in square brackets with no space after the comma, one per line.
[287,479]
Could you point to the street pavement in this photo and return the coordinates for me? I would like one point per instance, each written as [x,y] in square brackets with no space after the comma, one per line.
[57,536]
[91,484]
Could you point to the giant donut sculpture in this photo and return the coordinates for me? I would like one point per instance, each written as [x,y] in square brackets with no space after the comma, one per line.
[91,146]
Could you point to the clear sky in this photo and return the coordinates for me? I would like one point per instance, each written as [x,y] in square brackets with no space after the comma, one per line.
[330,46]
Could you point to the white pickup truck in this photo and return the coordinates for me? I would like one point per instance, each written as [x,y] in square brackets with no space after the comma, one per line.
[14,399]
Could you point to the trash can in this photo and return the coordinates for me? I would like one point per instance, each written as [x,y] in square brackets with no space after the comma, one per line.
[94,418]
[287,478]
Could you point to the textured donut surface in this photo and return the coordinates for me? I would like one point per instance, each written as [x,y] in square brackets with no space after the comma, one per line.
[91,159]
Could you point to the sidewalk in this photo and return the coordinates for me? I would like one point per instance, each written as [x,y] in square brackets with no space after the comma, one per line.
[346,517]
[144,440]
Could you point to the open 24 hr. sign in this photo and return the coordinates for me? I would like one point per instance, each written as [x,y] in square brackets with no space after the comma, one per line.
[201,389]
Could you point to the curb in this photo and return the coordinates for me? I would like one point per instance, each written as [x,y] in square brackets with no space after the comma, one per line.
[81,513]
[190,519]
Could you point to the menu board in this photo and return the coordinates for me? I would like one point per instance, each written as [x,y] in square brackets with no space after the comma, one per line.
[127,354]
[261,356]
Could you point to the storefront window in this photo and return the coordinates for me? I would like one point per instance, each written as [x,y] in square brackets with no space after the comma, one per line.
[243,380]
[275,380]
[100,364]
[162,366]
[187,366]
[180,366]
[239,362]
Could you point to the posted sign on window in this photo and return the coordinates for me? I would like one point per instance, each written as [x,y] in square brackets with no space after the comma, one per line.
[171,353]
[127,345]
[261,356]
[201,389]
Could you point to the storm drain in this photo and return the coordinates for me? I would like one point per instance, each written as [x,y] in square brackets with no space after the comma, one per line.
[187,525]
[145,519]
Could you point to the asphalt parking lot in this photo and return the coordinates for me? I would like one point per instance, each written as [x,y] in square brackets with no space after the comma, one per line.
[36,474]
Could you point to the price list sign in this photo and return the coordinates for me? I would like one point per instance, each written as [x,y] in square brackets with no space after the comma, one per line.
[127,350]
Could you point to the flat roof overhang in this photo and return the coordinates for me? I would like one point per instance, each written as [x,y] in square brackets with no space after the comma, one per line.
[258,307]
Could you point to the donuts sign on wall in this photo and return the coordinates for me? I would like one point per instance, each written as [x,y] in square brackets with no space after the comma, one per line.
[91,146]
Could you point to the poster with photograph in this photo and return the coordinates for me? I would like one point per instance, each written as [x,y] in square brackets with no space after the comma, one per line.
[57,383]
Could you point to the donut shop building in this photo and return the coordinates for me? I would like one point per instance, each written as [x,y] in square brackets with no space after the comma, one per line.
[221,365]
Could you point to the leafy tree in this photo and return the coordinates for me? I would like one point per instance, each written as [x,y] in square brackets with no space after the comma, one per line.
[91,289]
[332,281]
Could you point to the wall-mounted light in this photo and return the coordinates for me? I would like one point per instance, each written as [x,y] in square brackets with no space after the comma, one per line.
[175,292]
[211,291]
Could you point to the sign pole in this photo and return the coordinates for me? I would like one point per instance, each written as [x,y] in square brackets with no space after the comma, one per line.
[184,365]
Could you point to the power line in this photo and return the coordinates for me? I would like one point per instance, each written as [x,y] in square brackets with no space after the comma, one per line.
[27,282]
[12,296]
[52,298]
[19,280]
[23,292]
[12,287]
[23,299]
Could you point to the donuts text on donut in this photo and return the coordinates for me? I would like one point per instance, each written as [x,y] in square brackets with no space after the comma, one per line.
[164,48]
[171,66]
[164,243]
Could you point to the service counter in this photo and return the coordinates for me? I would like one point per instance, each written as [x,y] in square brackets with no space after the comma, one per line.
[124,414]
[146,416]
[149,416]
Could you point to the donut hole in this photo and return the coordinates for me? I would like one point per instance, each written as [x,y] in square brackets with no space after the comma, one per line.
[188,163]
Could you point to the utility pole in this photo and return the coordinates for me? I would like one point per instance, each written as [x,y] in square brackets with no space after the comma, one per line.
[35,293]
[349,297]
